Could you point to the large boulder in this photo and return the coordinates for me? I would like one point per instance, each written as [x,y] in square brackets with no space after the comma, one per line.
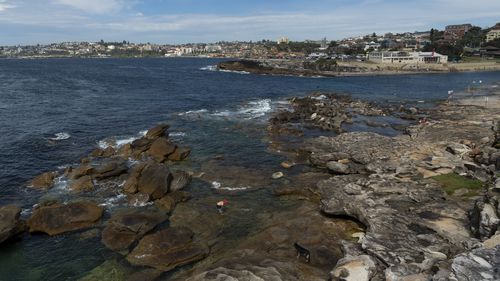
[167,249]
[83,170]
[126,227]
[140,145]
[180,154]
[180,180]
[478,264]
[84,183]
[338,168]
[157,131]
[161,149]
[10,225]
[59,218]
[133,178]
[110,169]
[154,180]
[43,181]
[354,268]
[484,220]
[169,201]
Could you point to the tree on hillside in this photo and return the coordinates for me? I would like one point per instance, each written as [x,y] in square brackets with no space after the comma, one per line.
[333,44]
[453,51]
[436,35]
[473,38]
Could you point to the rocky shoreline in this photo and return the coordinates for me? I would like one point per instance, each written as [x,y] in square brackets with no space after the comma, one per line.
[418,204]
[332,68]
[418,227]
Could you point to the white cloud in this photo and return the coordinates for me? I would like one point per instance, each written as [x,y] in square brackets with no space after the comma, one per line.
[84,20]
[94,6]
[4,5]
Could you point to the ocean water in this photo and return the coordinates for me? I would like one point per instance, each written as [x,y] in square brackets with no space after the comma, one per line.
[55,111]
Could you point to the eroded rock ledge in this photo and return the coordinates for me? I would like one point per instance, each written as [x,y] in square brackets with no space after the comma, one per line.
[416,228]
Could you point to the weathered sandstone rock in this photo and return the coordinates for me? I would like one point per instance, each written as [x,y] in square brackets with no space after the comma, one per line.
[10,224]
[127,226]
[167,249]
[59,218]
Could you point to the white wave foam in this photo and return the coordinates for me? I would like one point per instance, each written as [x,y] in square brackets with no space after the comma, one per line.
[214,68]
[26,212]
[193,112]
[234,71]
[252,110]
[177,134]
[320,97]
[117,142]
[60,184]
[209,68]
[258,108]
[217,185]
[138,203]
[62,167]
[60,136]
[114,201]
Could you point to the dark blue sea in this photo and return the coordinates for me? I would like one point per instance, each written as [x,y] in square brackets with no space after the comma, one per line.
[55,111]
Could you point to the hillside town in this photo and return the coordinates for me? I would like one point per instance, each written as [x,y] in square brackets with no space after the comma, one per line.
[454,43]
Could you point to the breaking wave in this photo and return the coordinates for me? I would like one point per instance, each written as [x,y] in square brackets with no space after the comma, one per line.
[209,68]
[117,142]
[60,136]
[119,199]
[217,185]
[214,68]
[251,110]
[234,71]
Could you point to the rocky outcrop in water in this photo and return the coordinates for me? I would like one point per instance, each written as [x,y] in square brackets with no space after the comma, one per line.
[323,111]
[167,249]
[44,181]
[149,178]
[59,218]
[127,226]
[320,67]
[10,224]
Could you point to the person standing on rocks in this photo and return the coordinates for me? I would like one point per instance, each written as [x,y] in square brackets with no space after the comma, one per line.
[220,205]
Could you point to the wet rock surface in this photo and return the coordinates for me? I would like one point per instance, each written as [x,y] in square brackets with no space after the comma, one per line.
[44,181]
[268,250]
[59,218]
[324,111]
[127,226]
[365,206]
[167,249]
[10,224]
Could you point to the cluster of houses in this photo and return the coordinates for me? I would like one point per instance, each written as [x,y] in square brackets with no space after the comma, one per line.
[388,48]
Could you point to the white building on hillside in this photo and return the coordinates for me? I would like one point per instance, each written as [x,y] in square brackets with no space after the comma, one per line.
[183,51]
[283,40]
[407,57]
[372,45]
[492,35]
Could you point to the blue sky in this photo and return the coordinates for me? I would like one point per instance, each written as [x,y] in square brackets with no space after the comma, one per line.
[181,21]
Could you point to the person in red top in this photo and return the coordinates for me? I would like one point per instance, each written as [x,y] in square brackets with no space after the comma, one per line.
[221,204]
